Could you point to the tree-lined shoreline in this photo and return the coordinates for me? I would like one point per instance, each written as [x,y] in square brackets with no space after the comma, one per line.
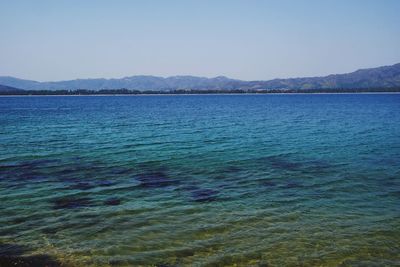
[20,92]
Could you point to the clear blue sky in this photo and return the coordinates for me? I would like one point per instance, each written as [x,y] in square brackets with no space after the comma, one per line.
[247,39]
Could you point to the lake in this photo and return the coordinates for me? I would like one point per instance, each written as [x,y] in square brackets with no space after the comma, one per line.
[200,180]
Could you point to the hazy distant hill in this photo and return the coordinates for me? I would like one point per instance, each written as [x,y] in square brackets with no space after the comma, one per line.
[134,82]
[387,76]
[6,89]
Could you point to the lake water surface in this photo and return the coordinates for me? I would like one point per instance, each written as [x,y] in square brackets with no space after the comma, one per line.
[206,180]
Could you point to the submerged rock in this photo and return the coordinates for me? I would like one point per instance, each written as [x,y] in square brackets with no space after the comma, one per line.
[118,262]
[28,261]
[263,264]
[12,255]
[182,253]
[163,264]
[12,249]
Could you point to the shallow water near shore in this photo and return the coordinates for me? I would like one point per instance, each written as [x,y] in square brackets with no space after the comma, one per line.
[205,180]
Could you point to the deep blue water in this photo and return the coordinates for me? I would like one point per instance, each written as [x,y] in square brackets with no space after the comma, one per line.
[201,180]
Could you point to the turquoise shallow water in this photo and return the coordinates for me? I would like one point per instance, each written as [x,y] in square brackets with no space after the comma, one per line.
[213,180]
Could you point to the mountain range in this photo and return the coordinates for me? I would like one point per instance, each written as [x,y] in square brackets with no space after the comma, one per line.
[381,77]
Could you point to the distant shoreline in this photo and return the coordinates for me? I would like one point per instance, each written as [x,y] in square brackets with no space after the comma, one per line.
[199,94]
[10,91]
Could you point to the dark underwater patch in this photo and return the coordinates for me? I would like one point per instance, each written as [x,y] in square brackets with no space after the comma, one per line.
[88,223]
[112,201]
[78,173]
[232,169]
[204,195]
[117,262]
[11,255]
[29,175]
[29,261]
[198,194]
[293,185]
[162,264]
[105,183]
[68,174]
[263,264]
[81,186]
[183,253]
[36,163]
[284,164]
[50,230]
[317,166]
[66,171]
[268,183]
[189,187]
[22,172]
[19,220]
[26,171]
[121,171]
[150,166]
[12,249]
[69,202]
[227,173]
[155,180]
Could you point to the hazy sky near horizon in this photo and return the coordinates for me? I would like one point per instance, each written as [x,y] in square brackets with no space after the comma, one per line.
[248,39]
